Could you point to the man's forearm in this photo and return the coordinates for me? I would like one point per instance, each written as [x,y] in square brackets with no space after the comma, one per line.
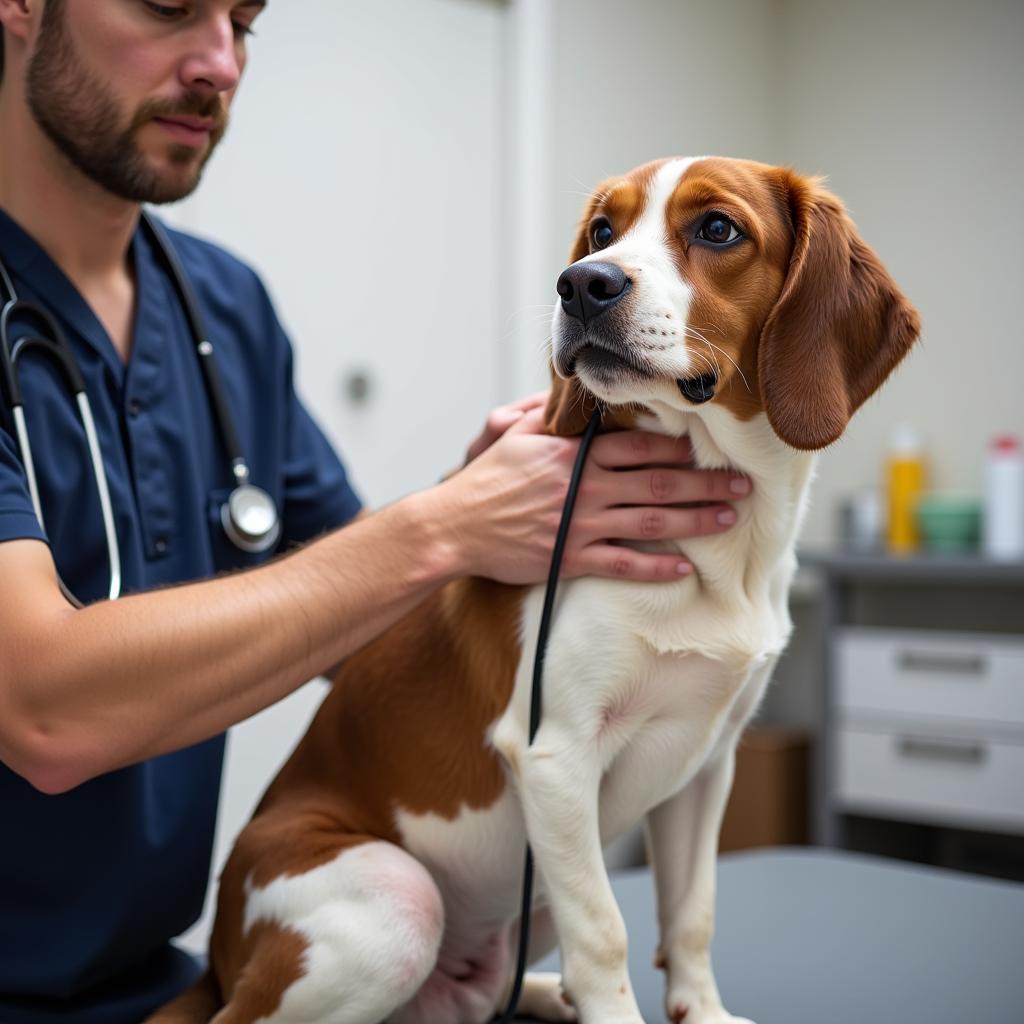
[120,681]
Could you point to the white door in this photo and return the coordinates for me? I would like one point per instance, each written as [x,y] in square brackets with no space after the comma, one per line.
[362,176]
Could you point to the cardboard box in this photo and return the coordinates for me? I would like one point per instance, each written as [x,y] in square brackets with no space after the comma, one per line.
[769,801]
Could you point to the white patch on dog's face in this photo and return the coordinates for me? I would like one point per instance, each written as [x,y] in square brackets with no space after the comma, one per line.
[649,323]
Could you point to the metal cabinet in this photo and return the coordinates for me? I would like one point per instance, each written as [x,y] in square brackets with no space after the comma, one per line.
[922,712]
[930,727]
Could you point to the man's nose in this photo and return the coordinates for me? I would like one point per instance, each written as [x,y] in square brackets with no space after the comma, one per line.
[588,289]
[213,63]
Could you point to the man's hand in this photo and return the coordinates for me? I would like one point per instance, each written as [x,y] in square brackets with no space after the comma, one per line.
[505,506]
[500,419]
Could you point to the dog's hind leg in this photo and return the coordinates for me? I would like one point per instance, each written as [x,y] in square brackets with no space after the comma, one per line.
[323,926]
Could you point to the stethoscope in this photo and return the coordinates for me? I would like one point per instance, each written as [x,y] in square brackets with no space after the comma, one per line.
[249,516]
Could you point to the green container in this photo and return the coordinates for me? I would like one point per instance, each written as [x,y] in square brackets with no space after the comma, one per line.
[949,524]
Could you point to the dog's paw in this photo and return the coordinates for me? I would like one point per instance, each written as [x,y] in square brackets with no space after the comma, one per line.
[679,1012]
[544,998]
[698,1005]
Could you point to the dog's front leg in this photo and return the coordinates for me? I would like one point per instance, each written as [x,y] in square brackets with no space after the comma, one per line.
[683,844]
[559,784]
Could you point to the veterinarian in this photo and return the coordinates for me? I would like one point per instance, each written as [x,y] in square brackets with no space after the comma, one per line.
[112,715]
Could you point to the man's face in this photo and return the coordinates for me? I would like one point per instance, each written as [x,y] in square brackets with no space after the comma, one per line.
[135,94]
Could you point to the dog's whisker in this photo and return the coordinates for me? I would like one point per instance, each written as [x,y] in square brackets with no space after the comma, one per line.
[731,360]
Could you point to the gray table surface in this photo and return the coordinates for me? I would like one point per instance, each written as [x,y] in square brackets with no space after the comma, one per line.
[811,936]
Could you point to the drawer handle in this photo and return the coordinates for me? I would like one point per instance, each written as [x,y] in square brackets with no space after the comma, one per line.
[935,661]
[949,751]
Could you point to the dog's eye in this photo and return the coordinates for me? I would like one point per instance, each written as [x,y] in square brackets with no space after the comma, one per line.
[718,229]
[601,234]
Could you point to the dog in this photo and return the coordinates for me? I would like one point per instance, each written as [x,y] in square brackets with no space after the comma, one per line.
[379,879]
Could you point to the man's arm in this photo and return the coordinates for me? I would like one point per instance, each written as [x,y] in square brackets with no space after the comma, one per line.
[85,691]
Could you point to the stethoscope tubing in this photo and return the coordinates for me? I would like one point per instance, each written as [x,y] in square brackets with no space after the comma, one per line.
[207,362]
[100,477]
[56,349]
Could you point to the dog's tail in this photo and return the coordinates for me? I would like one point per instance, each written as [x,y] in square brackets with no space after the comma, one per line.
[196,1005]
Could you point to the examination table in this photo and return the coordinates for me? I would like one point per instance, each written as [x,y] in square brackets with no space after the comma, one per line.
[814,936]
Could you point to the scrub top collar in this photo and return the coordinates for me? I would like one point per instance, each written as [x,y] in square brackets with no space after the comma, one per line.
[53,289]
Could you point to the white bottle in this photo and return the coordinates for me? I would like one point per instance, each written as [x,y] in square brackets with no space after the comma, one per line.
[1003,525]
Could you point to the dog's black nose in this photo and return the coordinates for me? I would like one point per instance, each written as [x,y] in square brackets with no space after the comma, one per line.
[588,289]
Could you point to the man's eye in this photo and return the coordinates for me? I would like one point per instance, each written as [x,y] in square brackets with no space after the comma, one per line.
[165,10]
[718,229]
[601,234]
[241,29]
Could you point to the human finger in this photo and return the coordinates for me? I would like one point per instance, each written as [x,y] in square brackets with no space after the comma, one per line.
[530,422]
[613,562]
[658,523]
[535,401]
[623,449]
[499,421]
[662,486]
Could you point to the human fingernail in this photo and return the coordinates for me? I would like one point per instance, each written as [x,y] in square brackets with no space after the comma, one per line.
[726,517]
[684,568]
[739,485]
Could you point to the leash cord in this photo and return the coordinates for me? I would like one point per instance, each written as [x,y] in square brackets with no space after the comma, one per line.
[536,696]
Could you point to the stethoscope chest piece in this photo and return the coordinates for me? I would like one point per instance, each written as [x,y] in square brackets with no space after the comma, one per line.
[250,519]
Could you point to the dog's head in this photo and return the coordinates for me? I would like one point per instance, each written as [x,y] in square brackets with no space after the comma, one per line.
[709,281]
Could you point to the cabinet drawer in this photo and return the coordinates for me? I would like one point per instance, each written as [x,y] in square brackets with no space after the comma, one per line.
[931,778]
[963,675]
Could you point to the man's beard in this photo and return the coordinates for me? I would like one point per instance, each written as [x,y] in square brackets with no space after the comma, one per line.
[81,118]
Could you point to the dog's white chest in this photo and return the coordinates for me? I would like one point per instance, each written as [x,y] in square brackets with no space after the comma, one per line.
[612,684]
[652,718]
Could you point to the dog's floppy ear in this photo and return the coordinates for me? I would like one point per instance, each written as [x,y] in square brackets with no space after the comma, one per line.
[570,406]
[838,329]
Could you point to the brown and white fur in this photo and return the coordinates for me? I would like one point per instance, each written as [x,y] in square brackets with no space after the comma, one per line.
[379,879]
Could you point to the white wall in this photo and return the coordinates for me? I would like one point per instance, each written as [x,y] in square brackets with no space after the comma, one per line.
[915,111]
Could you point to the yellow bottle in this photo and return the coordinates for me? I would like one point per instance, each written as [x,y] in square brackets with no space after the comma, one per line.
[904,484]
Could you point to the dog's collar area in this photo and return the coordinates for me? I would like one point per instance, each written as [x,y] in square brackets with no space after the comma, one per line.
[699,389]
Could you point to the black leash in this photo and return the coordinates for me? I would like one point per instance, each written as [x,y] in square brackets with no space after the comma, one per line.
[536,695]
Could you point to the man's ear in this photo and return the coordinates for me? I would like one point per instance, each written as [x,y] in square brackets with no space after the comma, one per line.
[16,17]
[839,327]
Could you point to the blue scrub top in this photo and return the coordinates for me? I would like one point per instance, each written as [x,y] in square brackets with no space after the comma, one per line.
[95,882]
